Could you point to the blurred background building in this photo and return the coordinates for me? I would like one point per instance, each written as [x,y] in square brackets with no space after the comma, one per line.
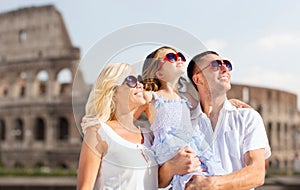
[37,66]
[281,118]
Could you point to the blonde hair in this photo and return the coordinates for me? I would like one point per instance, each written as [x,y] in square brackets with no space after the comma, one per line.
[100,103]
[151,82]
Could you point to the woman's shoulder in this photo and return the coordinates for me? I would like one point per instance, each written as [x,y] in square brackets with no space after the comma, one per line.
[94,140]
[89,122]
[93,128]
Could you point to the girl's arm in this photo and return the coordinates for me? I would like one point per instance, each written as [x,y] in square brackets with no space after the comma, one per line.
[148,107]
[144,108]
[192,100]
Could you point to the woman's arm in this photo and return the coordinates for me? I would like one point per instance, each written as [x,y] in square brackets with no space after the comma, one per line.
[90,159]
[89,165]
[239,104]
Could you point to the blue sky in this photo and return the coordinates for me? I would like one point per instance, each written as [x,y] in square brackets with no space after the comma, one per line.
[261,38]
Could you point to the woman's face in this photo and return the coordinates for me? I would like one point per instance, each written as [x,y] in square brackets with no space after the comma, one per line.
[128,96]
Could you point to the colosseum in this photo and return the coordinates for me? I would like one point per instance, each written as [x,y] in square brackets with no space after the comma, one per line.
[37,66]
[281,118]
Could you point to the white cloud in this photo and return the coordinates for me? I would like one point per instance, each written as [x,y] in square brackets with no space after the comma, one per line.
[215,44]
[279,40]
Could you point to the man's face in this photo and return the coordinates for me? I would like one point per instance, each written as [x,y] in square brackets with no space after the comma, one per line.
[214,79]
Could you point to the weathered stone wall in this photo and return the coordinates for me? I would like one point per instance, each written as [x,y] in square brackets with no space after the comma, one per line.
[281,118]
[37,65]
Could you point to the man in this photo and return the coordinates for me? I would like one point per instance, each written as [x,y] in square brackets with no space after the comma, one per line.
[236,135]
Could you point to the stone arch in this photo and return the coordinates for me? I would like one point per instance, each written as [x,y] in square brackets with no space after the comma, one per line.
[64,75]
[22,35]
[286,163]
[278,139]
[294,136]
[276,162]
[19,164]
[2,130]
[3,87]
[18,131]
[39,129]
[259,109]
[246,94]
[42,78]
[63,129]
[21,84]
[270,133]
[286,135]
[62,165]
[64,78]
[39,165]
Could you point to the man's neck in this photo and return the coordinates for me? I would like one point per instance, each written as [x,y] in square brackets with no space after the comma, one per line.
[211,106]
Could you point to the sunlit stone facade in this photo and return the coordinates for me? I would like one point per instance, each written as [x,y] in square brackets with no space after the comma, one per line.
[37,66]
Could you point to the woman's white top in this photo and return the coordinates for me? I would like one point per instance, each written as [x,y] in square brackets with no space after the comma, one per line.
[126,165]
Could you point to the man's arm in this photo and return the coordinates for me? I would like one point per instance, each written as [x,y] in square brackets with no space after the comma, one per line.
[251,176]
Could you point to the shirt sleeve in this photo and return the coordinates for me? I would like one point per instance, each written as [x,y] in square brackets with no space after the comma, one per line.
[94,141]
[255,134]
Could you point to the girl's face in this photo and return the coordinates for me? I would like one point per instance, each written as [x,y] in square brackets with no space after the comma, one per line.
[173,63]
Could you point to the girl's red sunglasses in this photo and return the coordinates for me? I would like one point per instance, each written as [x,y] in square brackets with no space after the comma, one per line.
[172,57]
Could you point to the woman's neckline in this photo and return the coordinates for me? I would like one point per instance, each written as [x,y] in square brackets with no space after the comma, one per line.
[119,132]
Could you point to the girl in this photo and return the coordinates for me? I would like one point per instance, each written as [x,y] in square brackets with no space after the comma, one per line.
[169,114]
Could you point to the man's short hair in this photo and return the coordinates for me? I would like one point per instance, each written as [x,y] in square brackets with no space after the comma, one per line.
[192,64]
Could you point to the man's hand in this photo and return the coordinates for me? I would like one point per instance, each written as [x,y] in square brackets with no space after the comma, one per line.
[251,176]
[200,183]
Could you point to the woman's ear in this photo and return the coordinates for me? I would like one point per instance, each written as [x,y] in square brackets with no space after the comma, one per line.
[114,98]
[159,75]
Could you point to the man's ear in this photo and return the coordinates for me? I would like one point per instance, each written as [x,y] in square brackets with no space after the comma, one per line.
[197,80]
[159,75]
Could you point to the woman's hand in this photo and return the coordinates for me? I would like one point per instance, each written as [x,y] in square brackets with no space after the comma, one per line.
[239,104]
[185,161]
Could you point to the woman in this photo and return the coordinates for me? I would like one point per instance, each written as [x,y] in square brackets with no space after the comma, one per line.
[115,152]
